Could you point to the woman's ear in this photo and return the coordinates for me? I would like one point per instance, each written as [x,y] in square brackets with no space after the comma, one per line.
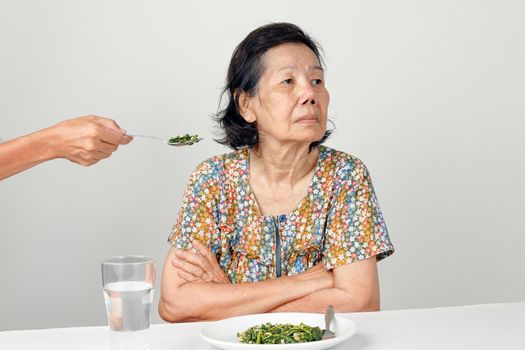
[245,107]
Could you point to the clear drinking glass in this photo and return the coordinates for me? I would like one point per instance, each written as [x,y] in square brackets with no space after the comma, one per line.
[128,283]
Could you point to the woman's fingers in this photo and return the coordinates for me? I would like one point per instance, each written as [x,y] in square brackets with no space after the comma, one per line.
[203,265]
[215,271]
[188,267]
[193,258]
[204,251]
[188,277]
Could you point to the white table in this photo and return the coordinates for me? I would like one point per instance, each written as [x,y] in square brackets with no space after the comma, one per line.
[490,326]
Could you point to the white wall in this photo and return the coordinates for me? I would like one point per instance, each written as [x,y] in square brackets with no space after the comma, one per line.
[428,93]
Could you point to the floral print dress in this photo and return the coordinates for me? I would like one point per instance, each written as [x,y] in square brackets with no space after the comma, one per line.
[337,222]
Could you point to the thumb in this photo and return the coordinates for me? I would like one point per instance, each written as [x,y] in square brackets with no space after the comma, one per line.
[109,124]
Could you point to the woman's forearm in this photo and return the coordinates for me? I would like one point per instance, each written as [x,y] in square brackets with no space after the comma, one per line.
[196,301]
[340,299]
[356,288]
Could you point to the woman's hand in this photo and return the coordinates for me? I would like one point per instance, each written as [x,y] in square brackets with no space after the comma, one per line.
[199,267]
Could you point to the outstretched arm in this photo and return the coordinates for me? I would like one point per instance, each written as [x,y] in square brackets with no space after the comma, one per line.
[84,140]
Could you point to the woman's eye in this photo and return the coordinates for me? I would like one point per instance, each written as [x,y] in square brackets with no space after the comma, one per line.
[317,81]
[287,81]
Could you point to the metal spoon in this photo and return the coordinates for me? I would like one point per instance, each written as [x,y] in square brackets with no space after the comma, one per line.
[176,144]
[328,316]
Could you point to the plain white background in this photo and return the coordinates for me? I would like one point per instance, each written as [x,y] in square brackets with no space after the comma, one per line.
[429,94]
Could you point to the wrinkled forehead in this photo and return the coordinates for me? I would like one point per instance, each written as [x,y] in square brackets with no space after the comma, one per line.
[290,56]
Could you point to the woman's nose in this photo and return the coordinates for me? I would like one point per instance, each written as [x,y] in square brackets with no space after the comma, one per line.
[308,95]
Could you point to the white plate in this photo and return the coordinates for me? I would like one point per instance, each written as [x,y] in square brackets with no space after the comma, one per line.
[223,334]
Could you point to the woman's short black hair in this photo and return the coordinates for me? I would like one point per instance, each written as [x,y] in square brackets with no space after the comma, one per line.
[245,71]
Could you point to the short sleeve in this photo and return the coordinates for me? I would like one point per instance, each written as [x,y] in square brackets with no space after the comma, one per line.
[198,215]
[355,228]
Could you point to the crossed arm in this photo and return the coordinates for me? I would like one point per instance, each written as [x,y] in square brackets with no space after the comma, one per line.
[195,288]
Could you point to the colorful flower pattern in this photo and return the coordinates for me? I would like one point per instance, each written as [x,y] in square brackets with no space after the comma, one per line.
[338,221]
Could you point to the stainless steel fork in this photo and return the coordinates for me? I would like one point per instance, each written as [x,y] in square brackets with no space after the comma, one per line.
[328,316]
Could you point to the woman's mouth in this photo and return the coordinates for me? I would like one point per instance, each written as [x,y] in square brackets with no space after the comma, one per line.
[307,119]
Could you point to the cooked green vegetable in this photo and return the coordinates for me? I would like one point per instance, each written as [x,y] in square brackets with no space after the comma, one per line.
[184,138]
[279,333]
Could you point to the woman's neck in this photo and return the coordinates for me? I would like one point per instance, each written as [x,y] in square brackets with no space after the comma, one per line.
[282,165]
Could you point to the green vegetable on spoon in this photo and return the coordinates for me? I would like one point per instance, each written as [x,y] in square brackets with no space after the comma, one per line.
[184,139]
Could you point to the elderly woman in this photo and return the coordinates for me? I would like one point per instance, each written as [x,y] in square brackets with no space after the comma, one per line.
[282,223]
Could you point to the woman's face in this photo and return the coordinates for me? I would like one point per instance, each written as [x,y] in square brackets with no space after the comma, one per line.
[291,101]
